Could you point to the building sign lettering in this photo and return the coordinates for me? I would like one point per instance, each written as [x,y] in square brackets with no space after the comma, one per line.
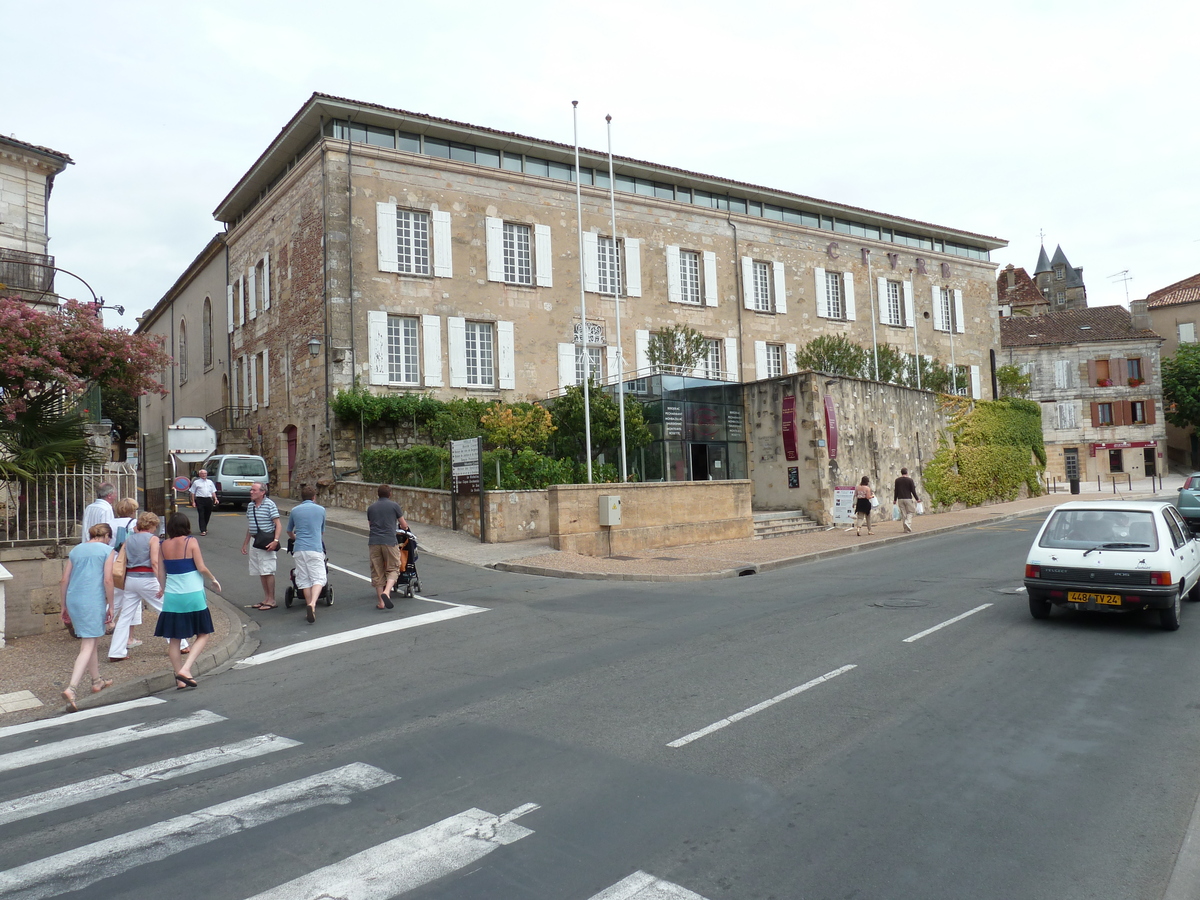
[789,428]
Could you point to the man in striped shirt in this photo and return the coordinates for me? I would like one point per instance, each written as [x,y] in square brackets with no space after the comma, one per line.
[262,517]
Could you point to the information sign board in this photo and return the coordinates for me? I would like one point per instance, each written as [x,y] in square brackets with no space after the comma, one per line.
[465,462]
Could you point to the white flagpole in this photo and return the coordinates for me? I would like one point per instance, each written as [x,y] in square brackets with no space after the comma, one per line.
[612,200]
[587,357]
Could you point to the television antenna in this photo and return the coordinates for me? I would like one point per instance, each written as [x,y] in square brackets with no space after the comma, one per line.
[1124,276]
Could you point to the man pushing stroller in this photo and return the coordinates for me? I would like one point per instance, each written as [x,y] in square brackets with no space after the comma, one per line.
[305,526]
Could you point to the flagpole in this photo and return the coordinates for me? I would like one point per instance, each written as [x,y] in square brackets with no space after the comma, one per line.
[587,357]
[612,200]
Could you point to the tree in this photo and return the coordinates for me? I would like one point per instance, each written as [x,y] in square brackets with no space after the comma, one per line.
[1012,383]
[835,355]
[1181,386]
[892,363]
[517,426]
[569,440]
[934,376]
[121,408]
[678,350]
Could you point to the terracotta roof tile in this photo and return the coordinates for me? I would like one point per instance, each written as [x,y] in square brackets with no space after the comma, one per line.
[1023,293]
[1072,326]
[1185,291]
[27,146]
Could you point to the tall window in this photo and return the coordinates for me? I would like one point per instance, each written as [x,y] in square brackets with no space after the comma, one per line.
[712,359]
[947,303]
[1104,413]
[206,327]
[412,241]
[609,265]
[595,344]
[689,276]
[1134,369]
[181,362]
[481,369]
[774,360]
[518,261]
[894,304]
[833,295]
[762,286]
[1137,412]
[403,363]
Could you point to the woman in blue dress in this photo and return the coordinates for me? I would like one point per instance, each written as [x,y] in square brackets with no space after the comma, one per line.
[87,596]
[185,605]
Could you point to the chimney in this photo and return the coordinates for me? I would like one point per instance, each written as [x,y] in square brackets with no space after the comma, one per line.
[1139,316]
[1012,276]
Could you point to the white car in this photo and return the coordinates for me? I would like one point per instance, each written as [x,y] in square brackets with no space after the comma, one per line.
[1114,556]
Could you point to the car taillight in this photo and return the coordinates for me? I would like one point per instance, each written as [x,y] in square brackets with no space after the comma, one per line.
[1033,571]
[1161,578]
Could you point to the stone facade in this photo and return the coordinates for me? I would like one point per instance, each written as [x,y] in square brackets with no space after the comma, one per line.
[1175,314]
[27,175]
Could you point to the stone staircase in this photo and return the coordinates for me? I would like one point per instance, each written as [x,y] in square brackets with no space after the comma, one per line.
[776,524]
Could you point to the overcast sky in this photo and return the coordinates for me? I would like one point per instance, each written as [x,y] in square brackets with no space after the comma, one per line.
[1073,117]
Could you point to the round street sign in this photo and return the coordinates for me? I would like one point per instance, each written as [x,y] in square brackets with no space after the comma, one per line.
[182,483]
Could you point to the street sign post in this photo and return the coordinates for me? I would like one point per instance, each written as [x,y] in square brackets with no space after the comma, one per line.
[189,439]
[466,461]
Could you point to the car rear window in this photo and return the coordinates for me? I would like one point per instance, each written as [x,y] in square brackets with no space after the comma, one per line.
[1113,529]
[244,468]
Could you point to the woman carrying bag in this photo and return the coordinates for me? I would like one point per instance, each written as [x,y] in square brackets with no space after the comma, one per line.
[865,502]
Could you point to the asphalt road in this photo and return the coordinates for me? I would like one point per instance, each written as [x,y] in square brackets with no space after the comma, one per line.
[534,738]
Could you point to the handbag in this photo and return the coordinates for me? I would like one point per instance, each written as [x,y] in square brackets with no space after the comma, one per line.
[874,502]
[118,568]
[263,539]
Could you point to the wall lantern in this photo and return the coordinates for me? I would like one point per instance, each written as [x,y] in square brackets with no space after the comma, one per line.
[314,346]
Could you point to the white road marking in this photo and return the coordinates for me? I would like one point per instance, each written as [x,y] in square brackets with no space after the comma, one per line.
[367,579]
[57,750]
[106,785]
[758,707]
[640,886]
[109,856]
[358,634]
[927,631]
[392,868]
[79,716]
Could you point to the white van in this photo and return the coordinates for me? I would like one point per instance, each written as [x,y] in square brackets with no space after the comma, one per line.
[233,474]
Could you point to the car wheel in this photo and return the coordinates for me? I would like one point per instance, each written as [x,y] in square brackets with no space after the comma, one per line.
[1039,607]
[289,595]
[1168,618]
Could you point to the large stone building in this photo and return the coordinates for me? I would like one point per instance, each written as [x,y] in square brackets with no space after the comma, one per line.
[27,175]
[409,253]
[1060,283]
[1175,314]
[1097,375]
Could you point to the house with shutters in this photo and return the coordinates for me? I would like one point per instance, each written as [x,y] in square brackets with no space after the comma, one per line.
[1175,313]
[27,174]
[409,253]
[1097,375]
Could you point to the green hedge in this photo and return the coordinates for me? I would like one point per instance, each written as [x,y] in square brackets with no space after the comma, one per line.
[429,467]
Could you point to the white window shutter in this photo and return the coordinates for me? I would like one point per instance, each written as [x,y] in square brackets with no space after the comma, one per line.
[240,300]
[251,296]
[431,334]
[673,293]
[266,373]
[959,325]
[633,267]
[641,356]
[710,278]
[253,383]
[506,351]
[938,323]
[385,237]
[443,248]
[247,394]
[495,251]
[266,261]
[566,365]
[748,282]
[591,261]
[777,272]
[909,314]
[881,294]
[377,349]
[822,293]
[848,286]
[229,308]
[731,359]
[544,262]
[760,360]
[612,361]
[456,340]
[790,363]
[975,386]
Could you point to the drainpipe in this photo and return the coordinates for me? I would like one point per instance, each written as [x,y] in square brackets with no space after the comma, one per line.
[741,294]
[325,294]
[871,297]
[912,275]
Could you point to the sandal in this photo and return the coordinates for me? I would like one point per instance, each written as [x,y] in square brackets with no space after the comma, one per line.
[99,684]
[183,681]
[69,696]
[262,607]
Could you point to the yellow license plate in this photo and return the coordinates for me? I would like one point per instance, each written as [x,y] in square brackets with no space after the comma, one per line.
[243,483]
[1103,599]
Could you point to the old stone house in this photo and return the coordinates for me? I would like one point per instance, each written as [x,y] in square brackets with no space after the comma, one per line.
[1175,313]
[27,174]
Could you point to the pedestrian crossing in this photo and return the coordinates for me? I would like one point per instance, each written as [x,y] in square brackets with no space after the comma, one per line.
[399,863]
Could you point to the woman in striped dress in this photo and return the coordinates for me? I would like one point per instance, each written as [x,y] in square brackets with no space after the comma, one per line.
[185,605]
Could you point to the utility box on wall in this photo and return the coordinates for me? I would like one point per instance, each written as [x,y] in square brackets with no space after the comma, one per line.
[610,509]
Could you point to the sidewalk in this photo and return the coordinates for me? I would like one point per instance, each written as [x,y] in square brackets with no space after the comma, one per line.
[33,670]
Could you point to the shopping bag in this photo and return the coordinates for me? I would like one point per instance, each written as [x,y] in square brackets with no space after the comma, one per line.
[874,502]
[895,513]
[920,508]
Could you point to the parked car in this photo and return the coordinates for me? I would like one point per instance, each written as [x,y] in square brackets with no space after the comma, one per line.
[233,475]
[1113,556]
[1188,502]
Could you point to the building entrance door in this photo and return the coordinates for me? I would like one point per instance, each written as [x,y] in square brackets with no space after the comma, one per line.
[699,457]
[1150,463]
[1071,462]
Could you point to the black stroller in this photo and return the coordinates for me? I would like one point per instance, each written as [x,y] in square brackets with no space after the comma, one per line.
[291,592]
[409,581]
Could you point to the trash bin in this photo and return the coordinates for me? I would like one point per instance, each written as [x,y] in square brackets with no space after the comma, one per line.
[1074,485]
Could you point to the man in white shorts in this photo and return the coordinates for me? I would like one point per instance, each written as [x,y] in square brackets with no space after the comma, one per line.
[262,516]
[306,524]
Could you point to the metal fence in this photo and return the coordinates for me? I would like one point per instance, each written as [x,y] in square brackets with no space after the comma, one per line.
[21,269]
[49,508]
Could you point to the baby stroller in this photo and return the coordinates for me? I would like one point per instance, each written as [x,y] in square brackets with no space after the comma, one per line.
[409,581]
[291,592]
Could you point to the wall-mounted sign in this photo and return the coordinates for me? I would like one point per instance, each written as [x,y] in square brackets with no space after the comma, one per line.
[734,423]
[831,426]
[793,476]
[789,428]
